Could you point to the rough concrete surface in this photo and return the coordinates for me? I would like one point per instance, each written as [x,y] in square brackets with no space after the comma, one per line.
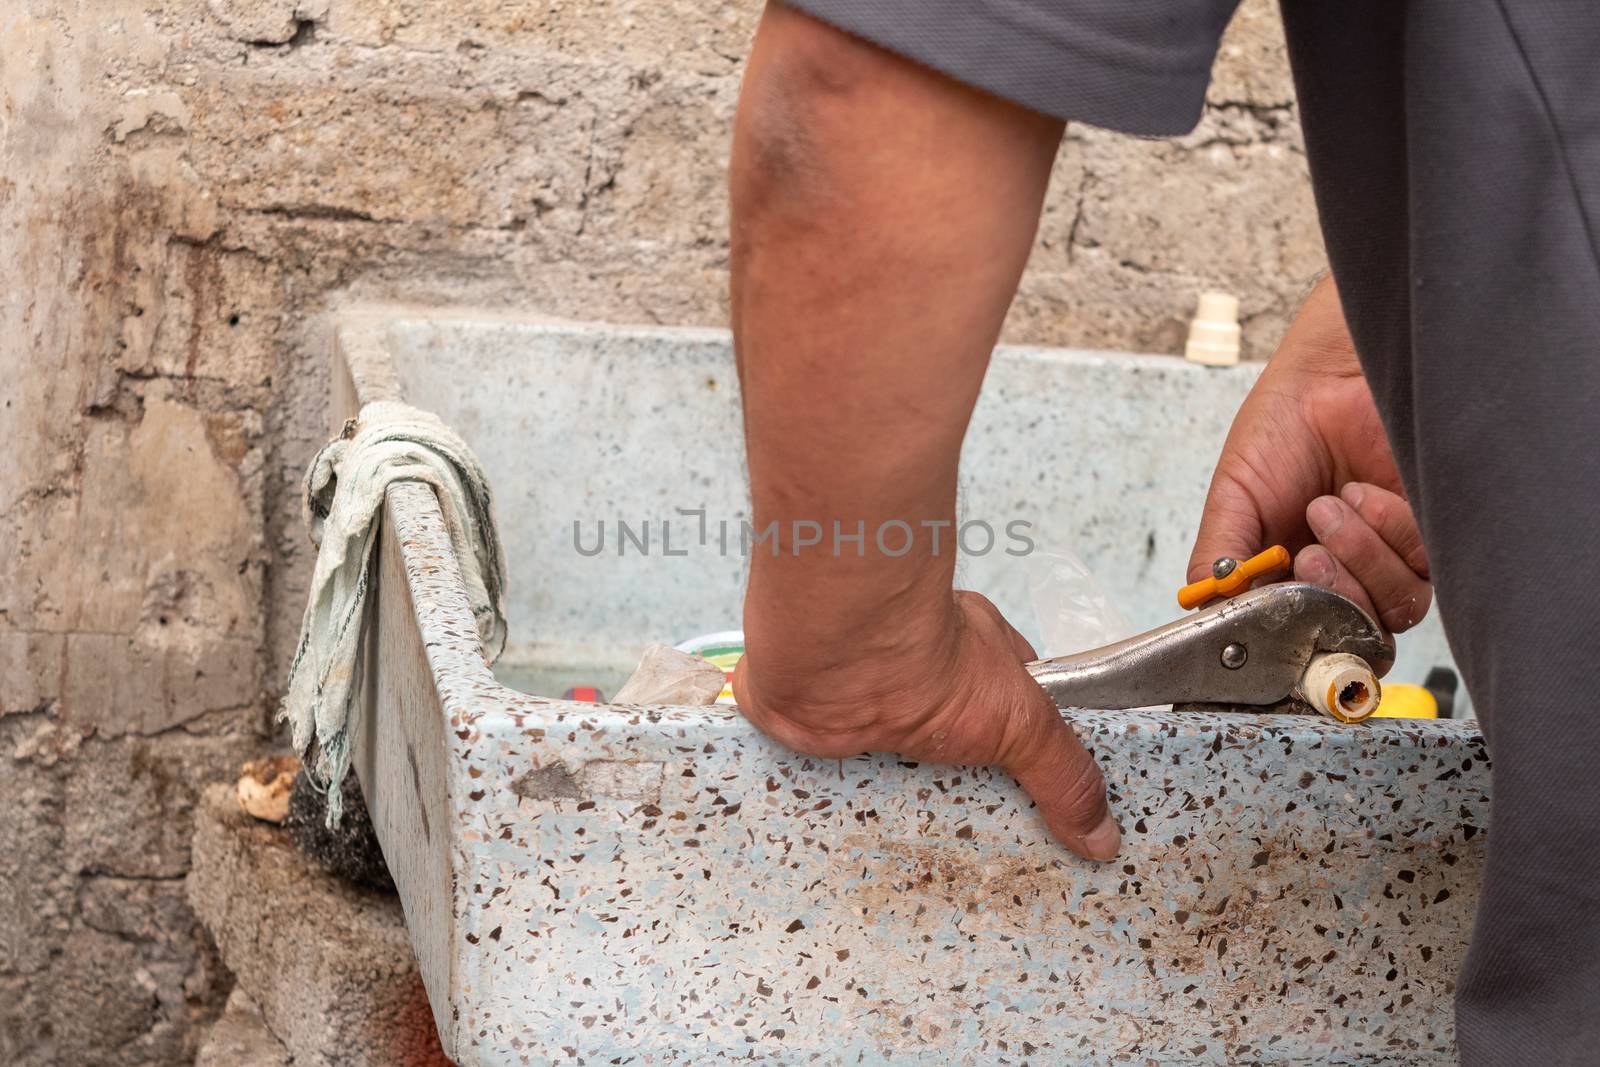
[329,964]
[240,1038]
[188,186]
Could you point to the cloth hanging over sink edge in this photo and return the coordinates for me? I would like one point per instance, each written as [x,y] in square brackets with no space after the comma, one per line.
[342,500]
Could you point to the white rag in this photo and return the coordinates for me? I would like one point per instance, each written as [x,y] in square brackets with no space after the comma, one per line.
[343,499]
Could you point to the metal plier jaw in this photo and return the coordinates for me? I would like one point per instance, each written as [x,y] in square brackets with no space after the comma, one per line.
[1290,641]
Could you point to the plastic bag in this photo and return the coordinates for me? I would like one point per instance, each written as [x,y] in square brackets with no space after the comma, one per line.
[1073,612]
[667,675]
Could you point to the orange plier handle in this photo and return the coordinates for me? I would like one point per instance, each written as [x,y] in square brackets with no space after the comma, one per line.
[1230,577]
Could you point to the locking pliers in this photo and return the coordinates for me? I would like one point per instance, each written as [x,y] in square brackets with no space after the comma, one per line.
[1289,641]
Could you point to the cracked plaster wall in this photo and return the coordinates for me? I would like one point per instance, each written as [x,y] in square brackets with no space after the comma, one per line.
[188,186]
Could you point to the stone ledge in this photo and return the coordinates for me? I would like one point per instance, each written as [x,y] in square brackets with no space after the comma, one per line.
[329,965]
[240,1038]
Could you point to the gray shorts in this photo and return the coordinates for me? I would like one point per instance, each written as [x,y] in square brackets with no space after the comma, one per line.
[1455,153]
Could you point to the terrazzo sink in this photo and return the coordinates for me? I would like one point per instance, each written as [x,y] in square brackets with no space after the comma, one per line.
[608,884]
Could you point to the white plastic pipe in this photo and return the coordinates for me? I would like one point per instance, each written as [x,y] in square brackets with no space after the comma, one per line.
[1214,332]
[1341,685]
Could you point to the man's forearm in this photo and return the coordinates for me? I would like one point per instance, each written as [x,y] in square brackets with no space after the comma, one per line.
[881,220]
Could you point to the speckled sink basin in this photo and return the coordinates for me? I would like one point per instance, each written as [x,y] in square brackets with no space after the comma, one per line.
[604,884]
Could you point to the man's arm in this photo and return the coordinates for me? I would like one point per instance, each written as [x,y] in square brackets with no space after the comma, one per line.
[882,215]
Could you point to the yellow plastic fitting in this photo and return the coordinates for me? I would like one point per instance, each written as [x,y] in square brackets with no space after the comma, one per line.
[1234,579]
[1405,701]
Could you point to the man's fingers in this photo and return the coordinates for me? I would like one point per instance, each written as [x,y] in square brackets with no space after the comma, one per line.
[1390,515]
[1395,594]
[1317,565]
[1052,765]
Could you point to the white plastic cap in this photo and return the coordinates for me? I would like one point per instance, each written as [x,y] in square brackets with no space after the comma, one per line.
[1214,333]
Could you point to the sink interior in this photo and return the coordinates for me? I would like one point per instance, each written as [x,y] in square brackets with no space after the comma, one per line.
[629,441]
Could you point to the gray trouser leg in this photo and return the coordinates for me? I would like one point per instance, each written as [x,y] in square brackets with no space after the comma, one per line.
[1455,148]
[1503,116]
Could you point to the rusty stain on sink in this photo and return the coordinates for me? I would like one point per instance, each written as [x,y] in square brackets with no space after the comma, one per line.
[617,779]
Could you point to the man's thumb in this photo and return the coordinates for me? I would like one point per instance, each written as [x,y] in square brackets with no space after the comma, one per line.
[1065,782]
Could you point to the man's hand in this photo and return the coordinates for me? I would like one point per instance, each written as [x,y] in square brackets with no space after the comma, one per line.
[1307,465]
[961,696]
[882,214]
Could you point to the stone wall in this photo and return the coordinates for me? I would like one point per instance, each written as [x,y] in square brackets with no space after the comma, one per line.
[188,186]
